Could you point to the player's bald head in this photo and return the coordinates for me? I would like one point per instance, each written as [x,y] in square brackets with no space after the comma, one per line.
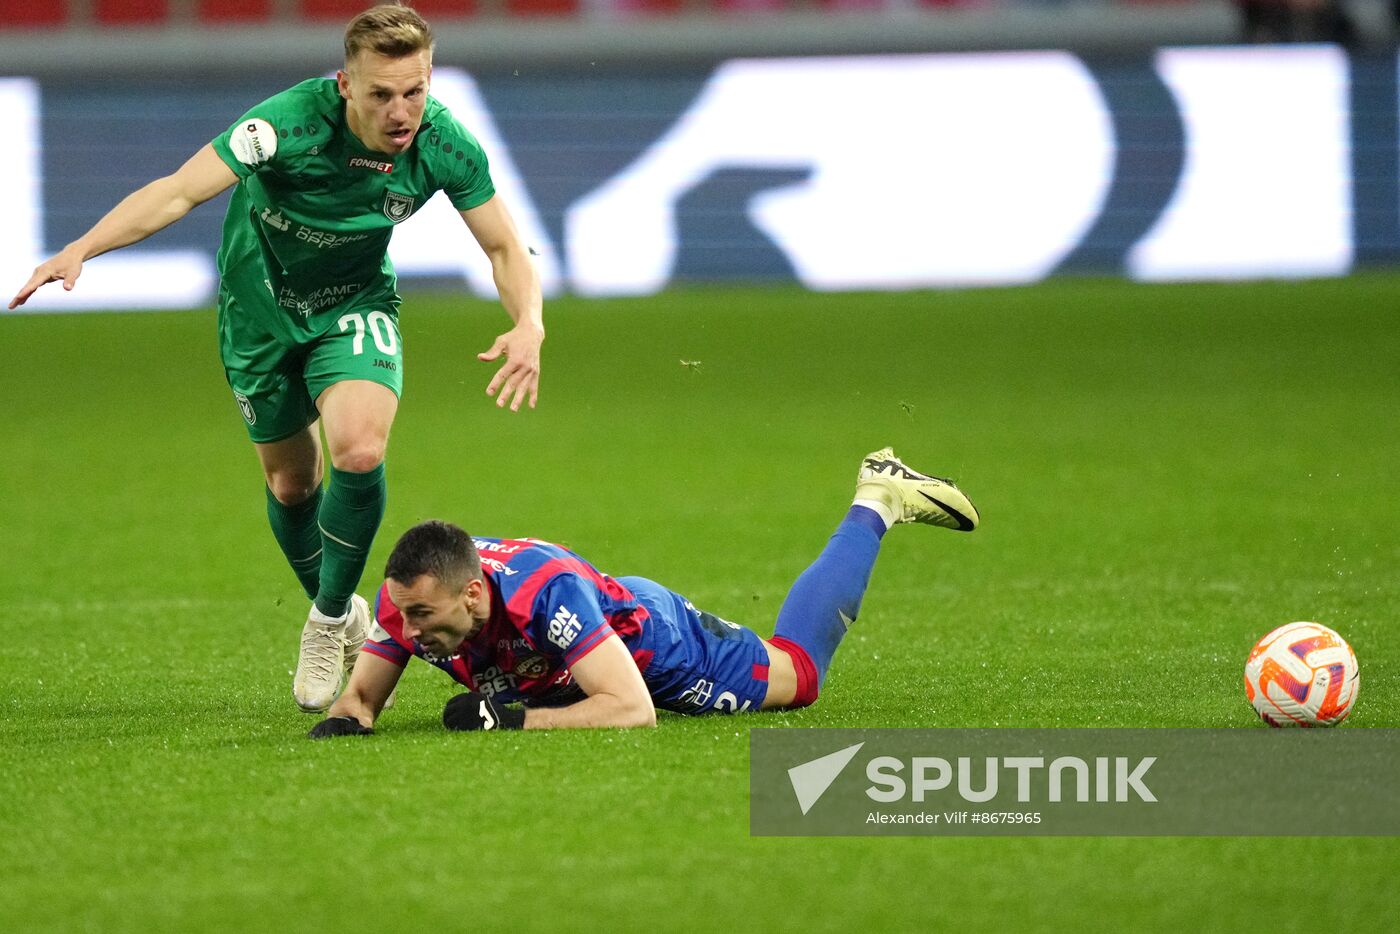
[389,29]
[436,548]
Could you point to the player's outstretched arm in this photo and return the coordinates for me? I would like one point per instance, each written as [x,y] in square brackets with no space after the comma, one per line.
[364,697]
[140,214]
[518,282]
[617,697]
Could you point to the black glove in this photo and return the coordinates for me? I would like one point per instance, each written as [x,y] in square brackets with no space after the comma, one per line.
[338,726]
[473,711]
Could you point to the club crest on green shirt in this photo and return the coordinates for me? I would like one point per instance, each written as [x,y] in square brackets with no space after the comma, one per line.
[397,206]
[246,407]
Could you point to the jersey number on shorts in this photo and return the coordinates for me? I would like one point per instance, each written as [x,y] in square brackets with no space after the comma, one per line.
[381,328]
[728,703]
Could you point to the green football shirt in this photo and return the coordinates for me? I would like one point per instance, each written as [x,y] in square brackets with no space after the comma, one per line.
[309,222]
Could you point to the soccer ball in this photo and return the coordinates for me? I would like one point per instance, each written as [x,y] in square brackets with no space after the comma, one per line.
[1302,674]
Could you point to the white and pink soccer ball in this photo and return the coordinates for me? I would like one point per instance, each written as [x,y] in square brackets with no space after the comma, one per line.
[1302,674]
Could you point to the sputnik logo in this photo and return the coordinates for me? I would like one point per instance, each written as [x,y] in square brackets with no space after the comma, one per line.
[810,780]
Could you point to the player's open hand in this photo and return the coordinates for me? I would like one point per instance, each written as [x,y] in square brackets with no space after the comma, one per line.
[67,266]
[519,378]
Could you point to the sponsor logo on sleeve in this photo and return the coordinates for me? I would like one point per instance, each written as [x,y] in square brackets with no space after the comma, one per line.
[564,627]
[253,142]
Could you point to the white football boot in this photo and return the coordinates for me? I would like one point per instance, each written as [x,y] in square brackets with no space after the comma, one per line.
[912,496]
[328,653]
[356,631]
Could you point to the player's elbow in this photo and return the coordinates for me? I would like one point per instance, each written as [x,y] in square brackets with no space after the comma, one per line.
[172,197]
[510,254]
[639,712]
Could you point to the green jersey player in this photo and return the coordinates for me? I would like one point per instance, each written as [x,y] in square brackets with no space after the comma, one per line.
[308,312]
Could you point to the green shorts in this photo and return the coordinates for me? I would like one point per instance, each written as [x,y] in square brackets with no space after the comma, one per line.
[278,365]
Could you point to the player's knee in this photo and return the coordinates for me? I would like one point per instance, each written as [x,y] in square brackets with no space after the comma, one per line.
[806,696]
[793,674]
[291,488]
[360,457]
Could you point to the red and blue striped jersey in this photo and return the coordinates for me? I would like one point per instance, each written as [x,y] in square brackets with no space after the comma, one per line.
[549,608]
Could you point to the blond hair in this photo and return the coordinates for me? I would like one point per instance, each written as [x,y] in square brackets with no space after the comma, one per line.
[390,29]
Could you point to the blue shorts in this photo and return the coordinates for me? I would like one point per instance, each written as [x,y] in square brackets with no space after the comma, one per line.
[699,663]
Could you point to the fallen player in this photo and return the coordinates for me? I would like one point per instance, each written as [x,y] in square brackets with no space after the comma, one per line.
[524,620]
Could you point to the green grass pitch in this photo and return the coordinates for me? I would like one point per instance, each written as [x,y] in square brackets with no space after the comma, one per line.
[1164,473]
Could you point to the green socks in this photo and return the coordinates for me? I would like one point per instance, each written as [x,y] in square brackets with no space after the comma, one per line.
[295,529]
[349,516]
[327,538]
